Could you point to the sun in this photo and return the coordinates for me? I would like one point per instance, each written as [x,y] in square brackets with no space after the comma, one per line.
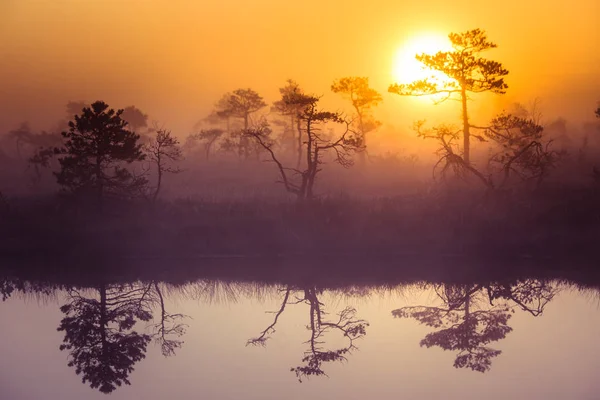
[406,68]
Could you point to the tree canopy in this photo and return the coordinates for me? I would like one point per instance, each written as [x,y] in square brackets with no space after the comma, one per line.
[135,118]
[465,67]
[96,145]
[363,98]
[466,72]
[244,102]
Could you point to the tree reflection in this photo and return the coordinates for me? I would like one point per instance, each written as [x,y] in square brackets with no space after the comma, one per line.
[107,329]
[344,323]
[100,336]
[10,285]
[7,287]
[530,295]
[473,316]
[169,328]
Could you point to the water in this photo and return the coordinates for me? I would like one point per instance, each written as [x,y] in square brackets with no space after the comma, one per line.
[535,339]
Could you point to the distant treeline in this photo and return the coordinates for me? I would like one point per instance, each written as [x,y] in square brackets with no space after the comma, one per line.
[96,152]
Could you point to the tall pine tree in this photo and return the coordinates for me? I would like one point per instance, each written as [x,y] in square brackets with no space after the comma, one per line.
[97,145]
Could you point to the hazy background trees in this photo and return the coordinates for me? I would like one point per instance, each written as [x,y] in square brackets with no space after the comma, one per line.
[163,150]
[137,122]
[242,104]
[208,138]
[286,106]
[363,98]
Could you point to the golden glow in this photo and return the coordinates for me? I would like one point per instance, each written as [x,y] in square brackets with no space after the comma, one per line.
[174,59]
[406,67]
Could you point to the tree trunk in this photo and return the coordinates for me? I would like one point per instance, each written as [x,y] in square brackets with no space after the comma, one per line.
[103,321]
[312,172]
[158,183]
[363,153]
[466,133]
[363,136]
[244,140]
[207,149]
[299,128]
[293,138]
[99,184]
[310,160]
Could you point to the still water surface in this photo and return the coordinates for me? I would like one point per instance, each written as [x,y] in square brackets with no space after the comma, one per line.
[525,340]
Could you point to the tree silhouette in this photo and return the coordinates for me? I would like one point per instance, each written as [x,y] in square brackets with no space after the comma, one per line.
[296,102]
[530,295]
[27,142]
[72,108]
[468,325]
[520,150]
[96,145]
[100,337]
[242,103]
[40,160]
[135,118]
[342,145]
[38,148]
[10,285]
[21,135]
[595,170]
[449,157]
[467,71]
[363,98]
[345,324]
[136,121]
[289,106]
[163,150]
[465,330]
[223,112]
[208,136]
[102,346]
[523,150]
[168,326]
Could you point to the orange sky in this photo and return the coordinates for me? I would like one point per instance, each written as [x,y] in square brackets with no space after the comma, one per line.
[174,58]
